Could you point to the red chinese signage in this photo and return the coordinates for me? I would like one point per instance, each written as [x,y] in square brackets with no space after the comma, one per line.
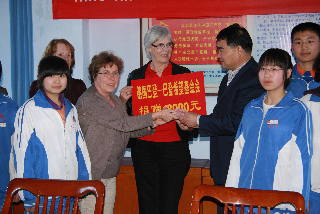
[114,9]
[195,39]
[183,91]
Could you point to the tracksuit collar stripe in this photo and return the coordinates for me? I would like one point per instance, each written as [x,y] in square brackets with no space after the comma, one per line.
[286,101]
[41,101]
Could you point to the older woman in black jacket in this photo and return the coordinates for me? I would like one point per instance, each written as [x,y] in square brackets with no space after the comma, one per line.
[162,161]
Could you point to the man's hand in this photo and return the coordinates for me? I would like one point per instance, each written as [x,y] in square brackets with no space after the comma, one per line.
[189,120]
[183,127]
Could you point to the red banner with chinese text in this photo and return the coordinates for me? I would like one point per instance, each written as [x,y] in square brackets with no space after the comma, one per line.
[195,39]
[183,91]
[113,9]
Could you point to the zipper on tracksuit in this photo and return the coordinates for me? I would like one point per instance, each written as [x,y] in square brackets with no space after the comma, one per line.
[65,145]
[255,161]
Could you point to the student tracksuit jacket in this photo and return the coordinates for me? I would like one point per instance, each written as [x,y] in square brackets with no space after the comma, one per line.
[273,152]
[298,85]
[46,149]
[312,100]
[313,103]
[8,109]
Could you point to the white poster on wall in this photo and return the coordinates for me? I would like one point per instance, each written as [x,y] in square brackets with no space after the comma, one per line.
[274,31]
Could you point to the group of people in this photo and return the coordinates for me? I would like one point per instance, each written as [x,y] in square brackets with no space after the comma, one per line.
[262,135]
[65,131]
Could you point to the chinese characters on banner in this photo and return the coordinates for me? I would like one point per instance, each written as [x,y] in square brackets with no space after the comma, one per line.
[183,91]
[120,9]
[195,39]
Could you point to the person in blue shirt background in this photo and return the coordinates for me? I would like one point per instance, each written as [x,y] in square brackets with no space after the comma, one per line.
[8,109]
[305,38]
[312,100]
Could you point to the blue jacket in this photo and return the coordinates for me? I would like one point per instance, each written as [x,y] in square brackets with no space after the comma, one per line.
[8,109]
[273,152]
[298,85]
[46,149]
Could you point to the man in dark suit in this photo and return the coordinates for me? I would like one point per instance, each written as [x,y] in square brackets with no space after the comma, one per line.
[237,89]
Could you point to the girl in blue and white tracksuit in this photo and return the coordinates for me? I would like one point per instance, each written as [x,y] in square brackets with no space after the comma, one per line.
[273,146]
[48,142]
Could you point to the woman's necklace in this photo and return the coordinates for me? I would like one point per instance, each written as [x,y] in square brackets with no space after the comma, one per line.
[159,73]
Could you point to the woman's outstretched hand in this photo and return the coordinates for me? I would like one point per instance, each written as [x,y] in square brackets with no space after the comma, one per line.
[162,117]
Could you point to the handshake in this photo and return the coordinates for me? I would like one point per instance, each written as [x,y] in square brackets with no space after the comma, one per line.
[186,120]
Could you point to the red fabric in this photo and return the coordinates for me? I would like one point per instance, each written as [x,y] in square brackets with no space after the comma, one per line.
[166,132]
[112,9]
[152,74]
[184,91]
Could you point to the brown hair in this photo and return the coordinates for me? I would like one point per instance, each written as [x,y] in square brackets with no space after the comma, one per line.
[52,49]
[101,60]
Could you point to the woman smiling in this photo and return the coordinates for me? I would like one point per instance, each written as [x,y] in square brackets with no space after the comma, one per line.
[107,127]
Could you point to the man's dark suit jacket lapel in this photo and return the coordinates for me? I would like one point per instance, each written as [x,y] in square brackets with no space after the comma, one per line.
[235,79]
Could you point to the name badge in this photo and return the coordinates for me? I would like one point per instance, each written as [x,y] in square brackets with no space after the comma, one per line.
[272,122]
[3,124]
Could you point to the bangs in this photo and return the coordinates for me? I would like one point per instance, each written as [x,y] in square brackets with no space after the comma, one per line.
[51,72]
[52,65]
[280,58]
[275,57]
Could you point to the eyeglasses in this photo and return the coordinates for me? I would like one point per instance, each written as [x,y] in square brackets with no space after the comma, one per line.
[161,45]
[114,74]
[272,70]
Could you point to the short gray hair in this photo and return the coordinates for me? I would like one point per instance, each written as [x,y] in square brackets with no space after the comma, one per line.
[155,33]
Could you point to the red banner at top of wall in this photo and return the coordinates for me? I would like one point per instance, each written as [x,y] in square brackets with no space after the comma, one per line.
[112,9]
